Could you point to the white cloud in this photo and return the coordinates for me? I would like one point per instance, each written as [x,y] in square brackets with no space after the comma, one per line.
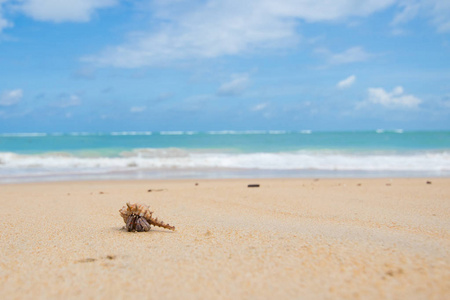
[438,11]
[409,12]
[351,55]
[3,22]
[394,99]
[137,109]
[235,87]
[62,11]
[259,106]
[326,10]
[347,82]
[227,27]
[53,10]
[11,97]
[213,28]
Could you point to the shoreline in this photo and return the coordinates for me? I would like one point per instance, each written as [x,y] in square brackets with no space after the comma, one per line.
[288,238]
[124,180]
[218,174]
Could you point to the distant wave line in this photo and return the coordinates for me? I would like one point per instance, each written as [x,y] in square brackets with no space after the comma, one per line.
[24,134]
[193,132]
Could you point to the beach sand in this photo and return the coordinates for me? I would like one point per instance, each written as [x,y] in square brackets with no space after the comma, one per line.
[287,239]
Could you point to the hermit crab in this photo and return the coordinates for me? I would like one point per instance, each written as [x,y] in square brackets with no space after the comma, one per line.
[138,217]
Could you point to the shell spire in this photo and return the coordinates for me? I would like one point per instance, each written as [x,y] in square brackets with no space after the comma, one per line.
[156,222]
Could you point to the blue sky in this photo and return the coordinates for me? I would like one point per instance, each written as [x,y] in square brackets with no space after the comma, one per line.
[109,65]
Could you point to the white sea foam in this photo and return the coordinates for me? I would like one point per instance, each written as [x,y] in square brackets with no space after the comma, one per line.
[222,132]
[131,133]
[81,133]
[25,134]
[253,132]
[173,158]
[171,132]
[244,132]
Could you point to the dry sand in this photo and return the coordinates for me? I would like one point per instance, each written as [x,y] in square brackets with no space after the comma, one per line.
[287,239]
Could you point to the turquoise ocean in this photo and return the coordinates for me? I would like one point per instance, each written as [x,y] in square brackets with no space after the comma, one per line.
[28,157]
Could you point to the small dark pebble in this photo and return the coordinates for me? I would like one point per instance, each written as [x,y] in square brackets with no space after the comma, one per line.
[157,190]
[196,183]
[111,257]
[253,185]
[428,182]
[388,184]
[101,193]
[359,184]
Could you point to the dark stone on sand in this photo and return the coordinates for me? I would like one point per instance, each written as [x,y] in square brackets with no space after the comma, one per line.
[253,185]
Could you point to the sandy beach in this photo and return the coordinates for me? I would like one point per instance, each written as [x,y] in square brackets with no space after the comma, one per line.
[286,239]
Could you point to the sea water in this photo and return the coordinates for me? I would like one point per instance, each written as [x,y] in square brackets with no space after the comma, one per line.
[222,154]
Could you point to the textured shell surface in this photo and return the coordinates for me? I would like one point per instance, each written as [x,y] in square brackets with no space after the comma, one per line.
[138,217]
[141,210]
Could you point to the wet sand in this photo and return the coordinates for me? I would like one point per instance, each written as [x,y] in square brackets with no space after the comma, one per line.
[286,239]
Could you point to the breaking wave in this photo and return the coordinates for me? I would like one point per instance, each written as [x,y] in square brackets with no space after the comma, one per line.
[13,164]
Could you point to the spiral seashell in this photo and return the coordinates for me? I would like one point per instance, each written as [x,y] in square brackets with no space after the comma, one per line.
[138,217]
